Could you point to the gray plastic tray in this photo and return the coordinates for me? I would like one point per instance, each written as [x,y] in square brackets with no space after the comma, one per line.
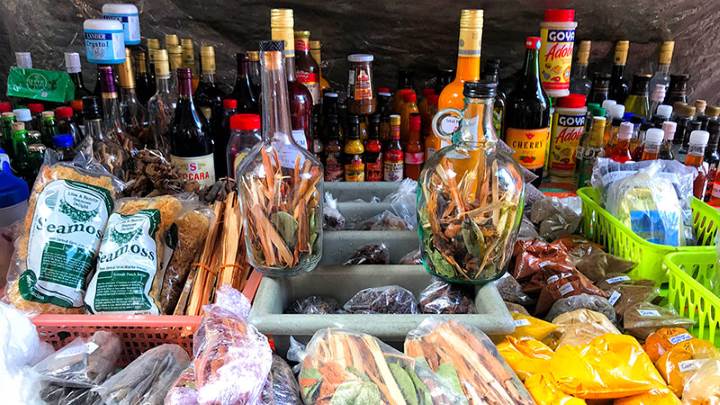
[342,282]
[345,192]
[338,246]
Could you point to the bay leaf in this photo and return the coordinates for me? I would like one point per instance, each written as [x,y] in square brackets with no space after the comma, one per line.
[286,226]
[405,383]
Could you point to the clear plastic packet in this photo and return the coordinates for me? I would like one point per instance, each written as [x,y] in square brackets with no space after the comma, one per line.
[314,305]
[152,175]
[704,386]
[227,350]
[582,301]
[60,395]
[513,307]
[511,291]
[468,359]
[369,254]
[555,217]
[590,259]
[560,283]
[529,326]
[403,203]
[642,319]
[344,367]
[68,210]
[384,221]
[527,230]
[147,379]
[412,257]
[581,326]
[333,220]
[683,360]
[281,387]
[663,339]
[442,298]
[390,299]
[83,363]
[647,204]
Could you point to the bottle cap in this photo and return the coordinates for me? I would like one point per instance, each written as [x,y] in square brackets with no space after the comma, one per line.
[664,111]
[253,56]
[72,62]
[184,73]
[23,60]
[699,138]
[171,40]
[700,106]
[384,90]
[5,106]
[107,80]
[415,122]
[666,51]
[410,97]
[36,108]
[654,136]
[583,53]
[681,78]
[427,92]
[617,111]
[607,104]
[394,119]
[621,52]
[533,43]
[304,34]
[360,57]
[175,56]
[669,128]
[710,111]
[77,105]
[8,114]
[91,107]
[186,43]
[245,122]
[559,15]
[127,80]
[46,114]
[13,190]
[281,18]
[601,112]
[481,89]
[207,59]
[64,112]
[626,130]
[658,93]
[229,104]
[162,69]
[63,141]
[572,101]
[471,19]
[153,43]
[22,114]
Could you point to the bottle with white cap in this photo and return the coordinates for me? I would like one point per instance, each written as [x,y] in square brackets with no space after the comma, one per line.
[25,116]
[127,15]
[23,60]
[695,157]
[620,152]
[666,149]
[651,146]
[615,118]
[657,95]
[74,69]
[606,104]
[712,157]
[662,114]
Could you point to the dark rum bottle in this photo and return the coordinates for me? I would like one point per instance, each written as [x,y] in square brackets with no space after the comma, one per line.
[618,84]
[208,96]
[307,71]
[244,91]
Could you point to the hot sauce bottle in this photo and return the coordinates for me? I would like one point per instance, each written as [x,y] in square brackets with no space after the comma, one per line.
[651,146]
[373,151]
[393,157]
[696,152]
[353,151]
[414,150]
[621,151]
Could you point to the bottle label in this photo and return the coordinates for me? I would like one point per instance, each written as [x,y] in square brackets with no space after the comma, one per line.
[568,130]
[470,40]
[333,167]
[300,139]
[196,168]
[362,89]
[309,80]
[67,226]
[393,171]
[131,26]
[126,265]
[301,45]
[529,146]
[416,158]
[374,170]
[105,47]
[355,171]
[556,58]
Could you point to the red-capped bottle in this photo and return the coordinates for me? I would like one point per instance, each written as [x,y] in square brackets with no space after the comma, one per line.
[373,151]
[245,133]
[393,157]
[221,135]
[307,71]
[414,149]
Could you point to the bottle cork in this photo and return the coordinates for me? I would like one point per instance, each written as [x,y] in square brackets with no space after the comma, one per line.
[666,52]
[700,106]
[621,52]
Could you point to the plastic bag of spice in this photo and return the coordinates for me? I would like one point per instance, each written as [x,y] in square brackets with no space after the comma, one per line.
[531,256]
[443,298]
[642,319]
[590,259]
[562,283]
[581,326]
[391,299]
[370,254]
[582,301]
[412,257]
[314,305]
[555,218]
[281,387]
[683,360]
[384,221]
[333,219]
[704,386]
[403,203]
[624,292]
[511,291]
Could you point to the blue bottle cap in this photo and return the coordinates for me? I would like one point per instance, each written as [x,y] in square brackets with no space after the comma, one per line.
[63,141]
[13,190]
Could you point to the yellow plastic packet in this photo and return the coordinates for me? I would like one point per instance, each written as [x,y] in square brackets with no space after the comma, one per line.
[526,356]
[529,326]
[654,397]
[581,326]
[544,391]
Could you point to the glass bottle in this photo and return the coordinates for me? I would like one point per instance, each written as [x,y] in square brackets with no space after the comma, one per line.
[621,151]
[666,149]
[662,72]
[618,84]
[254,71]
[373,151]
[244,91]
[48,129]
[280,184]
[133,114]
[579,82]
[443,77]
[686,125]
[700,106]
[245,133]
[208,96]
[353,151]
[696,151]
[711,113]
[20,158]
[74,69]
[653,142]
[64,123]
[427,131]
[112,119]
[491,73]
[527,115]
[469,198]
[638,101]
[361,95]
[662,114]
[615,116]
[161,106]
[409,107]
[333,149]
[153,44]
[414,149]
[307,71]
[188,60]
[144,83]
[7,119]
[63,145]
[176,62]
[301,102]
[712,157]
[591,147]
[191,144]
[406,84]
[316,53]
[656,98]
[106,147]
[221,134]
[394,156]
[677,90]
[600,88]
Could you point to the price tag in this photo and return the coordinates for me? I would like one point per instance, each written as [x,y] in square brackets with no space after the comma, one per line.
[566,289]
[618,279]
[649,313]
[521,322]
[691,365]
[683,337]
[553,279]
[614,297]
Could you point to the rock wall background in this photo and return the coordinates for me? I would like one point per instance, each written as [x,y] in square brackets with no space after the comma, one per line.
[419,35]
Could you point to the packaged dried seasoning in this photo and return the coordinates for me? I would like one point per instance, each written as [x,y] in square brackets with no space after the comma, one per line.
[582,301]
[333,220]
[529,326]
[590,259]
[384,221]
[443,298]
[369,254]
[281,387]
[703,387]
[68,210]
[531,256]
[412,257]
[314,305]
[511,291]
[683,360]
[561,283]
[391,299]
[642,319]
[663,339]
[554,218]
[581,326]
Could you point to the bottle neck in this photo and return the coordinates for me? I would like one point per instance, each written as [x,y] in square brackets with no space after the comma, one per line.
[531,70]
[93,128]
[618,71]
[208,77]
[111,111]
[302,46]
[696,151]
[162,83]
[77,80]
[185,89]
[128,94]
[395,132]
[468,61]
[290,67]
[477,122]
[581,70]
[663,69]
[276,116]
[243,73]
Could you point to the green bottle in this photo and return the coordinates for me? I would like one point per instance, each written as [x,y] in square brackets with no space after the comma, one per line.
[21,155]
[590,148]
[638,102]
[6,122]
[48,128]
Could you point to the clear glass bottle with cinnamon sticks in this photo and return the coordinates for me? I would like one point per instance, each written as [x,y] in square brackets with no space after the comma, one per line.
[280,184]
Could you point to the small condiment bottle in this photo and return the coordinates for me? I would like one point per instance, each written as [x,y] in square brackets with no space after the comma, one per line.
[651,146]
[666,152]
[695,154]
[621,151]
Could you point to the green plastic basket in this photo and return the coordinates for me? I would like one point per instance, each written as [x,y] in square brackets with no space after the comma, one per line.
[689,291]
[602,227]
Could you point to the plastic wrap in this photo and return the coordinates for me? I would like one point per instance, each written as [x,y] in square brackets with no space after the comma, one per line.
[529,326]
[369,254]
[384,221]
[581,326]
[59,395]
[683,360]
[443,298]
[582,301]
[412,257]
[640,320]
[83,362]
[555,217]
[663,339]
[527,230]
[147,379]
[314,305]
[281,387]
[703,388]
[532,256]
[590,259]
[403,202]
[333,220]
[68,209]
[466,355]
[525,355]
[391,299]
[513,307]
[561,283]
[511,291]
[343,367]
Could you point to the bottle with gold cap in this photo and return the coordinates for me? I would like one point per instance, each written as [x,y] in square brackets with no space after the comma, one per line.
[468,70]
[175,60]
[132,112]
[209,97]
[161,106]
[307,70]
[153,44]
[662,72]
[619,88]
[144,84]
[171,40]
[316,53]
[301,101]
[188,60]
[253,58]
[579,82]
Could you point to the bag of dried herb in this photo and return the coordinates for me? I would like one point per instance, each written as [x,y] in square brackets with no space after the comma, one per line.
[391,299]
[68,209]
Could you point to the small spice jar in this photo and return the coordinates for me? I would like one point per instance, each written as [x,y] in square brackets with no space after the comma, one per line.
[360,88]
